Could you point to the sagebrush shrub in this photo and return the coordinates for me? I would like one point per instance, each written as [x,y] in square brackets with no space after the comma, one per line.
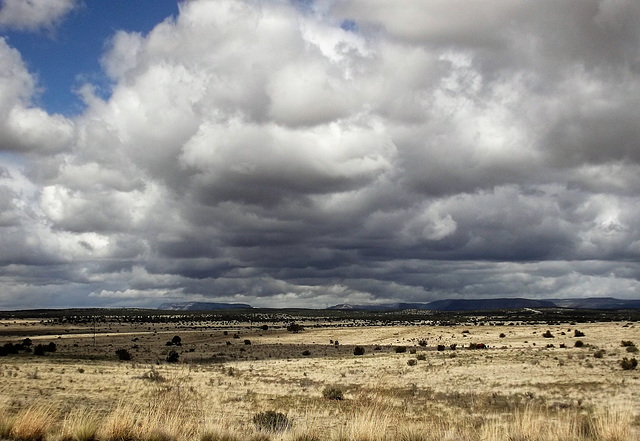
[271,421]
[333,393]
[628,364]
[358,350]
[294,327]
[401,349]
[123,355]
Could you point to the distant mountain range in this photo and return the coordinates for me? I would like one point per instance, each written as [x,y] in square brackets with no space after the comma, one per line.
[502,303]
[440,305]
[201,306]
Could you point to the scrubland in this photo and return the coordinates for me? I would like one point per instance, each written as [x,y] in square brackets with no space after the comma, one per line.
[236,381]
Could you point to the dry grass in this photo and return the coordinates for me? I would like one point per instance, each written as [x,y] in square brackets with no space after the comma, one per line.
[517,390]
[6,423]
[120,425]
[33,423]
[81,424]
[612,424]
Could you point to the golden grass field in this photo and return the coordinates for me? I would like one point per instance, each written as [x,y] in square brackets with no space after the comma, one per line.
[518,389]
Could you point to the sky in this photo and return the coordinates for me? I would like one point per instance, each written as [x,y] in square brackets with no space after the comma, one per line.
[308,153]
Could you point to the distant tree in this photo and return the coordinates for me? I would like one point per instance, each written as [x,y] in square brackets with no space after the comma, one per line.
[123,355]
[294,327]
[176,341]
[358,350]
[173,357]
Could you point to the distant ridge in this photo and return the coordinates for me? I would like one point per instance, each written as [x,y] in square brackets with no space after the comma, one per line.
[485,304]
[500,303]
[597,303]
[201,306]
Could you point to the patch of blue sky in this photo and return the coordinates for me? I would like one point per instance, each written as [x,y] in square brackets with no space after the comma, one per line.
[349,26]
[69,56]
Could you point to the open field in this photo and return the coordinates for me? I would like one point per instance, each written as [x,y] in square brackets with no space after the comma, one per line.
[523,386]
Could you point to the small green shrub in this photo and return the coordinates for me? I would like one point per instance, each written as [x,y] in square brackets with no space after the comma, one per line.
[579,344]
[333,393]
[123,355]
[294,327]
[599,354]
[271,421]
[628,364]
[153,375]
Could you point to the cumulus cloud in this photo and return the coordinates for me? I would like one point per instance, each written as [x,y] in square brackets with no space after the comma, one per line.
[270,154]
[31,15]
[23,127]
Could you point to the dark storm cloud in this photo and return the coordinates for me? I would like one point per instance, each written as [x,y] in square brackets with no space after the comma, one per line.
[262,152]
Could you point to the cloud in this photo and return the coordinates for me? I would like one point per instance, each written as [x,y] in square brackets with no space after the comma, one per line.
[32,15]
[23,127]
[263,153]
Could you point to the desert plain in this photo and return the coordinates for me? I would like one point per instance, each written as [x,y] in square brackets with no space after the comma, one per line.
[255,377]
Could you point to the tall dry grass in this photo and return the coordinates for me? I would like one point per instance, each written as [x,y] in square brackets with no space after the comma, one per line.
[80,424]
[170,417]
[33,423]
[6,423]
[612,424]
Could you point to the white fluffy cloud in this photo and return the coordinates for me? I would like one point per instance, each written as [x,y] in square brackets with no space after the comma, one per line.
[259,152]
[32,15]
[23,127]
